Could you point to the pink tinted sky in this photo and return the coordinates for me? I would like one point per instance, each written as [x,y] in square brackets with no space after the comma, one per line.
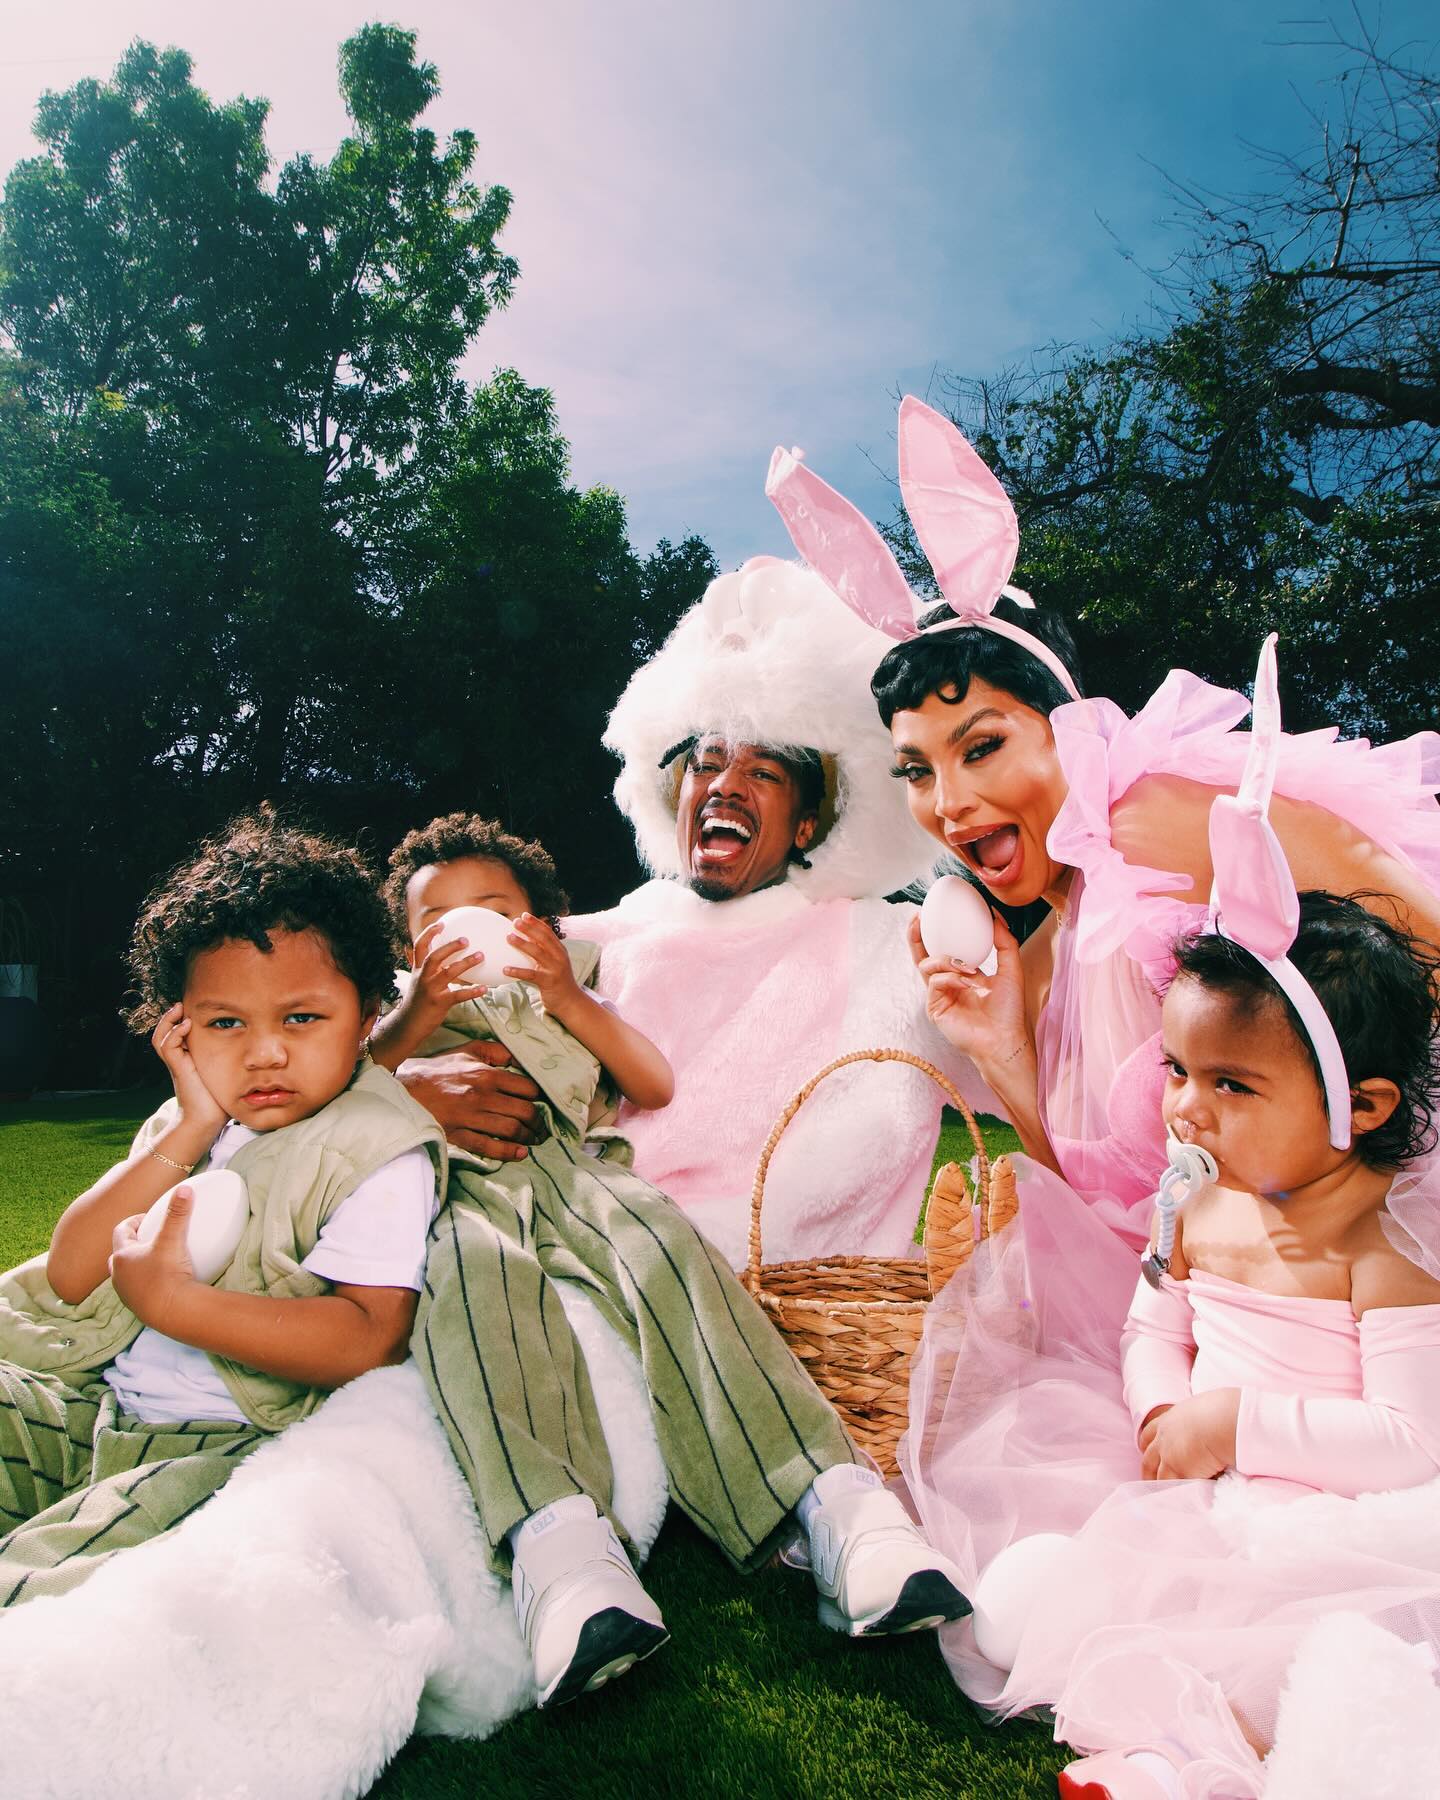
[742,222]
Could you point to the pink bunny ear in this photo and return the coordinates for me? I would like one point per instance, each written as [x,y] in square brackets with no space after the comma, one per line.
[961,514]
[841,546]
[1253,896]
[1254,891]
[1258,782]
[1253,901]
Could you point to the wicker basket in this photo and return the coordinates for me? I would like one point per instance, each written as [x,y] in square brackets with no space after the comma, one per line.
[854,1321]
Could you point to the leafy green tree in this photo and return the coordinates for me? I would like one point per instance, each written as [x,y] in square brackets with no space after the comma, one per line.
[1269,457]
[257,536]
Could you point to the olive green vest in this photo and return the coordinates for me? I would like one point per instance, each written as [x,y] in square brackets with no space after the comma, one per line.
[295,1177]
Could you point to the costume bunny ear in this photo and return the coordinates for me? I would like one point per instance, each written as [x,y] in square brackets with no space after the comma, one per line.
[961,514]
[1253,901]
[841,546]
[1253,895]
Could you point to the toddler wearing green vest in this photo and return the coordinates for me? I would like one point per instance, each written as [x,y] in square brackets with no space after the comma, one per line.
[129,1389]
[750,1445]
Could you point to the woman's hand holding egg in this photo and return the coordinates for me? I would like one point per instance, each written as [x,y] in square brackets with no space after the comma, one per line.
[981,1014]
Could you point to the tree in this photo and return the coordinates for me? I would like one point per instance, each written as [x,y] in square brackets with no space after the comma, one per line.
[1267,456]
[257,537]
[1346,239]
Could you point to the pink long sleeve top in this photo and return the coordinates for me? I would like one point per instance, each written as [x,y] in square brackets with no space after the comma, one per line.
[1327,1400]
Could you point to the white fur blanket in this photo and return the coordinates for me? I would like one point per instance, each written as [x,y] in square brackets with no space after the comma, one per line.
[291,1635]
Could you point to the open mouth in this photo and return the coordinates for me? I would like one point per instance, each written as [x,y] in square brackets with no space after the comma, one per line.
[723,838]
[995,855]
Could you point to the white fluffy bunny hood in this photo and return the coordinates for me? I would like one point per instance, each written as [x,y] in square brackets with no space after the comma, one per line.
[767,657]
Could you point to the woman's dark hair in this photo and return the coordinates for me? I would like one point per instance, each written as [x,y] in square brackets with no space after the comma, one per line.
[1378,985]
[257,875]
[458,834]
[944,662]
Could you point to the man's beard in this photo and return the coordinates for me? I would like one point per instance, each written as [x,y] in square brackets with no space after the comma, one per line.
[705,889]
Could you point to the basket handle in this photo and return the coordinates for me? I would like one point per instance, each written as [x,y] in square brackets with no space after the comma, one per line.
[946,1086]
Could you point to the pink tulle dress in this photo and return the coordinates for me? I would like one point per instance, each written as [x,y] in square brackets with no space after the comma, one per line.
[1183,1601]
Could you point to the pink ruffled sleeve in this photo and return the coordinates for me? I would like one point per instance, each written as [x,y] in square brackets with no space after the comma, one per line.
[1390,1438]
[1187,729]
[1157,1349]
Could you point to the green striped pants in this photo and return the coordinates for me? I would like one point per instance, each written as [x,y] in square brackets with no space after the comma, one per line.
[742,1428]
[79,1481]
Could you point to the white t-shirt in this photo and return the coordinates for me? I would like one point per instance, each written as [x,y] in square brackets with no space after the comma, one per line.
[375,1238]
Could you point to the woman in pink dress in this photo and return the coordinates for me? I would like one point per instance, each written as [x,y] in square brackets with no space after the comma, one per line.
[1044,795]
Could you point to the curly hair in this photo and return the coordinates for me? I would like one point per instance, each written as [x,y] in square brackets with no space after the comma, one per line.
[254,876]
[1378,986]
[458,834]
[944,662]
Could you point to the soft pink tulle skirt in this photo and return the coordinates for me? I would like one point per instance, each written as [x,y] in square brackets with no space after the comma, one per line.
[1183,1602]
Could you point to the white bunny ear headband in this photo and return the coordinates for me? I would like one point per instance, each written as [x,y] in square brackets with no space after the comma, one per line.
[962,517]
[1253,900]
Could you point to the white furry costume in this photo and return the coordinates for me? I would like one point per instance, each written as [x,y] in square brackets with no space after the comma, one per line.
[750,997]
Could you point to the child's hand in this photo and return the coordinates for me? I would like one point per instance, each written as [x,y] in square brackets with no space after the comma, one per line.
[198,1106]
[150,1278]
[436,984]
[552,973]
[1194,1440]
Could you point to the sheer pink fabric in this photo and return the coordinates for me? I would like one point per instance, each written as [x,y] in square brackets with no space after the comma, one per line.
[1100,1078]
[1185,1602]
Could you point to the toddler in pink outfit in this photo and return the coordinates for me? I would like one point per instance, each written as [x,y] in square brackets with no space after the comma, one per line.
[1285,1337]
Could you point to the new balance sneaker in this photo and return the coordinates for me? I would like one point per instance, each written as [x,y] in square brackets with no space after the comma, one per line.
[875,1573]
[584,1615]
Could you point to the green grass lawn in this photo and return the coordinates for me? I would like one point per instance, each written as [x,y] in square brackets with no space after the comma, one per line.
[750,1697]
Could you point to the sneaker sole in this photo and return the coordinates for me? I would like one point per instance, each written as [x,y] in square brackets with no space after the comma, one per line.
[926,1601]
[609,1645]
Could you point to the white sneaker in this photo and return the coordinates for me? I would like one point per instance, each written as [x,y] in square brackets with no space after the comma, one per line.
[582,1610]
[875,1572]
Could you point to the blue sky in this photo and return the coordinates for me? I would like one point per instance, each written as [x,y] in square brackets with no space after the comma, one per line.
[743,222]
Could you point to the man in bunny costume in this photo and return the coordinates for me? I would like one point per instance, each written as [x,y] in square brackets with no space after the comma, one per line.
[756,776]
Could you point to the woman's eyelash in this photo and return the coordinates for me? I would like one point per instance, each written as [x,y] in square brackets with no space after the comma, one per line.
[982,748]
[908,771]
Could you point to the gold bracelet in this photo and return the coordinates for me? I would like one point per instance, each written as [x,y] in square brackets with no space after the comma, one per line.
[170,1162]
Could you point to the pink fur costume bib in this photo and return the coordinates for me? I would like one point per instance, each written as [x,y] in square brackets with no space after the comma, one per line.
[749,998]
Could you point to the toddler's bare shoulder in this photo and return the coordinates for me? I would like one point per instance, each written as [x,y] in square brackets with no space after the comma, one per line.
[1381,1275]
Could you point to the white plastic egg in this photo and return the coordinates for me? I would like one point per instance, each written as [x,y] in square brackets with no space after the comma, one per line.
[217,1220]
[1022,1578]
[486,931]
[956,921]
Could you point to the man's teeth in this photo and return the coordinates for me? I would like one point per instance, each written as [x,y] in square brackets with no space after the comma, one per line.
[710,826]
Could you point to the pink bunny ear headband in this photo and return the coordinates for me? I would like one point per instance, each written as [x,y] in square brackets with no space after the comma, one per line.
[961,514]
[1253,900]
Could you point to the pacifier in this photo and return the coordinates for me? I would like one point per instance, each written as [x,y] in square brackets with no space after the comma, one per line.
[1188,1170]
